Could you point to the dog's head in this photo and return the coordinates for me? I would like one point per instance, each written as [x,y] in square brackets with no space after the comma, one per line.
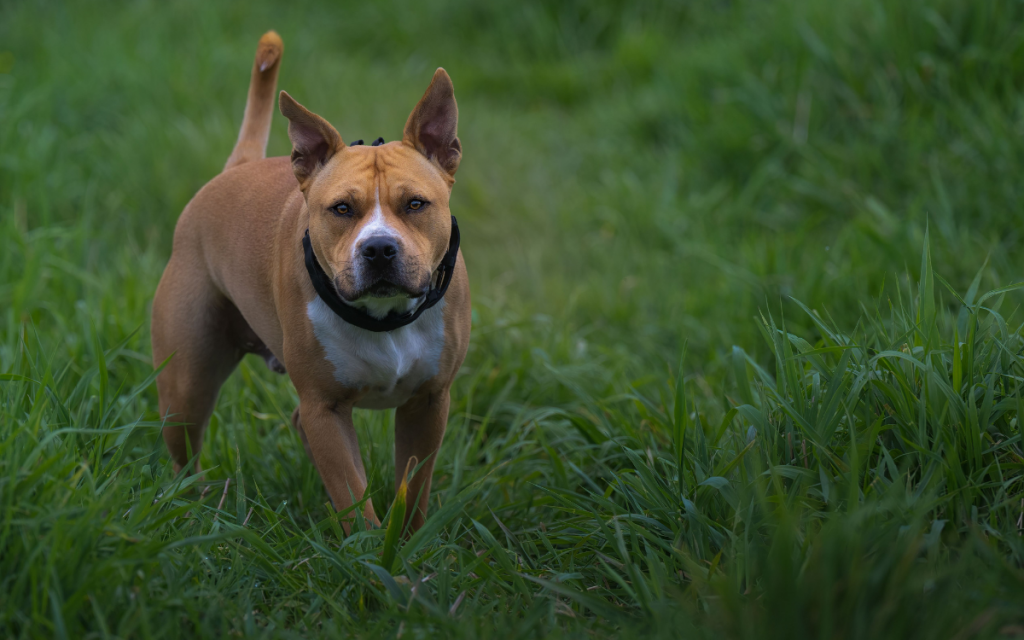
[379,221]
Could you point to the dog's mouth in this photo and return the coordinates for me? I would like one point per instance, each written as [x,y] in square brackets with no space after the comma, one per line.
[379,290]
[383,298]
[384,289]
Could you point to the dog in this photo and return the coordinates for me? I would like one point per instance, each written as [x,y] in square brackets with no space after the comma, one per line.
[339,265]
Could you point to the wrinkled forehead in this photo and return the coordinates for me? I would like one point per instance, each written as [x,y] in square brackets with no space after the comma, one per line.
[390,170]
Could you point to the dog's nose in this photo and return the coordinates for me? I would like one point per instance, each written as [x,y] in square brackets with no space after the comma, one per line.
[380,251]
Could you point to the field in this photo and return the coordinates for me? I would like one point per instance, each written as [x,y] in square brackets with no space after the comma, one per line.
[746,358]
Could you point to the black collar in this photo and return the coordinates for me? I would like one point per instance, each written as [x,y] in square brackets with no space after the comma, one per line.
[358,317]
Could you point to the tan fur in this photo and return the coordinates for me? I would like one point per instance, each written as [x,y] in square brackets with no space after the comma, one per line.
[259,107]
[236,282]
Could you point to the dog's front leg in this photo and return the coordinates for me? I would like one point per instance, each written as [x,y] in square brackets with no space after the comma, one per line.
[419,429]
[335,450]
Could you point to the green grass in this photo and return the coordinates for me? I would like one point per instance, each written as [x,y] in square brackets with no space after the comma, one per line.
[746,355]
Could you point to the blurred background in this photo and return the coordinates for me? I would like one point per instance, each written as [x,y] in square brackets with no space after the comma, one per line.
[635,174]
[636,177]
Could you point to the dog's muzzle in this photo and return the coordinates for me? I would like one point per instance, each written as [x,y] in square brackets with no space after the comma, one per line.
[440,280]
[380,272]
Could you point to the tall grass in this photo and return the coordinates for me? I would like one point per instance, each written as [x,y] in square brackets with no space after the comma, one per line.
[746,354]
[867,485]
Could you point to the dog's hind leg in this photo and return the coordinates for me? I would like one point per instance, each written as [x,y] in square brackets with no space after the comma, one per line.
[192,324]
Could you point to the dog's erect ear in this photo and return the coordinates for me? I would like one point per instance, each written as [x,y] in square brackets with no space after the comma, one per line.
[432,127]
[314,140]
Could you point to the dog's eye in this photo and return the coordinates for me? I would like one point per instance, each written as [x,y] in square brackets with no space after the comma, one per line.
[341,209]
[416,205]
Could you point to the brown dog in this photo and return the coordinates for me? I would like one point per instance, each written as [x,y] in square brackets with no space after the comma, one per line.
[334,265]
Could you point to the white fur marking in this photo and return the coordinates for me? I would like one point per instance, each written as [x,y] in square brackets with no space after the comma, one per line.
[391,365]
[377,225]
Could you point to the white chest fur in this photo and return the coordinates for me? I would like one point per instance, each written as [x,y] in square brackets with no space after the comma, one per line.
[389,365]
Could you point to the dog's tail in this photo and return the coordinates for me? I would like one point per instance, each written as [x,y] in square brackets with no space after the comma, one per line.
[259,108]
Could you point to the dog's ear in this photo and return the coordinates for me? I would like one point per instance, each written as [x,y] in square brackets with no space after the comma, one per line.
[314,140]
[432,127]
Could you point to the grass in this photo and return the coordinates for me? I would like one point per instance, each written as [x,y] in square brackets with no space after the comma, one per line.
[746,355]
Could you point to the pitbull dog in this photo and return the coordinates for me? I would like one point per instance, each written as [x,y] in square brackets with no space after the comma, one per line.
[339,265]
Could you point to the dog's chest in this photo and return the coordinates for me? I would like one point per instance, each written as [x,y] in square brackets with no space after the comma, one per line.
[390,366]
